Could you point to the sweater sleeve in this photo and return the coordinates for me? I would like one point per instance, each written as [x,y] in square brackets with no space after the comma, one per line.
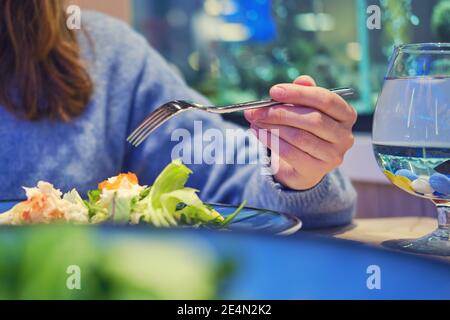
[189,136]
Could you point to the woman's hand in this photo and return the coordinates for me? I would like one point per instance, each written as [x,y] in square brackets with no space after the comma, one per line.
[314,130]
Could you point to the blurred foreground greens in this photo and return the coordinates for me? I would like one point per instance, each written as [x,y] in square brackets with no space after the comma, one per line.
[114,264]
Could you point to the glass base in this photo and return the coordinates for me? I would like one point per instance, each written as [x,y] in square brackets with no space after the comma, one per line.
[436,243]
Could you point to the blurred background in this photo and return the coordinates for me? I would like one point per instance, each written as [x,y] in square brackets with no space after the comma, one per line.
[234,50]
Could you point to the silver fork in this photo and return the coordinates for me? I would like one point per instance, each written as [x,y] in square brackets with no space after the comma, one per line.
[172,108]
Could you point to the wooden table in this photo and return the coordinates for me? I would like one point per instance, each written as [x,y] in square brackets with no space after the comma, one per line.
[376,231]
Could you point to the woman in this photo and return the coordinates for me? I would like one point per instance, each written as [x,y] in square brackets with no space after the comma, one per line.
[69,98]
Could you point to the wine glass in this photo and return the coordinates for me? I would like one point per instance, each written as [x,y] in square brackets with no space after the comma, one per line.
[411,134]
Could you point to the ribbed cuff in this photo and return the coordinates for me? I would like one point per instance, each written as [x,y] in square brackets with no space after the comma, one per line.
[324,205]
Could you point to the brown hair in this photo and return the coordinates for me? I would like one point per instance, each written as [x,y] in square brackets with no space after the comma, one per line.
[41,74]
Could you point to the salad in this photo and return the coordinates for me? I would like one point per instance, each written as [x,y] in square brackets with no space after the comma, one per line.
[122,200]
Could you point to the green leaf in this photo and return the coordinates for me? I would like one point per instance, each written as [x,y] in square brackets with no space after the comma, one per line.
[121,210]
[166,203]
[231,217]
[94,196]
[173,177]
[94,210]
[194,210]
[144,193]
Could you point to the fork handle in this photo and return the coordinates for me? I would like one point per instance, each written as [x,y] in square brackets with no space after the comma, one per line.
[243,106]
[343,92]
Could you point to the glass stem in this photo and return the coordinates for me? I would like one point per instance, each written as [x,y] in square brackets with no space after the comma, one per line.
[444,221]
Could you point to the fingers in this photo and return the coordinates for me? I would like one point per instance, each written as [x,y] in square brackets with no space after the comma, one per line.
[307,142]
[286,174]
[305,81]
[296,169]
[288,152]
[311,128]
[317,98]
[307,119]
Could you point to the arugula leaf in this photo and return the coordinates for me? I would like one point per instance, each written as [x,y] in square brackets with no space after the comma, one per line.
[231,217]
[94,195]
[96,213]
[144,193]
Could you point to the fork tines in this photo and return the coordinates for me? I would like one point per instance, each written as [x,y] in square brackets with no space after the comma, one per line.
[153,121]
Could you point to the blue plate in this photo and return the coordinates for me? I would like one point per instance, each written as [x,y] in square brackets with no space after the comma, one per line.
[252,219]
[6,205]
[249,219]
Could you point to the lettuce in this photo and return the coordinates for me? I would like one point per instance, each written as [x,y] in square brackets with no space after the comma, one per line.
[96,212]
[94,195]
[194,211]
[120,210]
[167,203]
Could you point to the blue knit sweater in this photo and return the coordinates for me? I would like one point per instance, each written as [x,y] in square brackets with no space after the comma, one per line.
[131,79]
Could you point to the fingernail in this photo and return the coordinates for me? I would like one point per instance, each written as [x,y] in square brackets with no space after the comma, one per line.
[278,92]
[305,80]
